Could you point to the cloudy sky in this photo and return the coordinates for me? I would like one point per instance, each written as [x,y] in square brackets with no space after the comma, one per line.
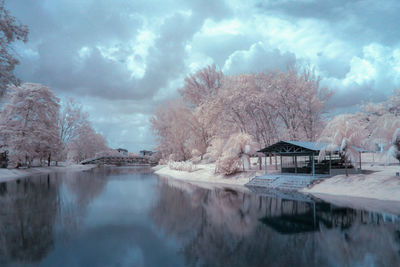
[122,58]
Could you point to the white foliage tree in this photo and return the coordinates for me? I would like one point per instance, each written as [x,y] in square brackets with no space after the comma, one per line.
[394,150]
[344,132]
[236,153]
[28,123]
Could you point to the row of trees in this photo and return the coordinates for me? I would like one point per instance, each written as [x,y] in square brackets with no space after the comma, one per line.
[34,126]
[260,108]
[217,116]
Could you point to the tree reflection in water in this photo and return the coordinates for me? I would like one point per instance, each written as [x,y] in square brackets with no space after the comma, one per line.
[30,208]
[28,212]
[223,227]
[104,218]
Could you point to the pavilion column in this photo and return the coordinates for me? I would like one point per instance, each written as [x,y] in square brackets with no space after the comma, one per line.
[265,163]
[313,164]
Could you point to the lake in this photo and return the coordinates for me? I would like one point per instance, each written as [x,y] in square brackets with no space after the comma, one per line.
[131,217]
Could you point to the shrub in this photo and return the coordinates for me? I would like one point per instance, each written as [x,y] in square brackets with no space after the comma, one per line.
[229,164]
[182,166]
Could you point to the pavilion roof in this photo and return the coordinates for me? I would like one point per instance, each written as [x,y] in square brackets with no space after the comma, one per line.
[294,147]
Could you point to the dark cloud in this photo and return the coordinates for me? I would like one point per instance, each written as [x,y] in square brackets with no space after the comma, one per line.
[359,20]
[60,29]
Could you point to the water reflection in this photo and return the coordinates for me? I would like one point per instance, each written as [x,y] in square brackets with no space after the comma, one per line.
[223,227]
[130,217]
[27,215]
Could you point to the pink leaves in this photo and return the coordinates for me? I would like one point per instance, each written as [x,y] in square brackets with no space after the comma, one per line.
[30,119]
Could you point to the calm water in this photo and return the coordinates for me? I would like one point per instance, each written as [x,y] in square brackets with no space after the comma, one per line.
[130,217]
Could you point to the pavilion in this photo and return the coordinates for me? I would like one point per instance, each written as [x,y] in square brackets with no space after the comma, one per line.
[301,157]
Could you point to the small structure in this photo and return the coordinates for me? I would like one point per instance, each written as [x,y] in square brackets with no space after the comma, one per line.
[122,151]
[300,157]
[144,153]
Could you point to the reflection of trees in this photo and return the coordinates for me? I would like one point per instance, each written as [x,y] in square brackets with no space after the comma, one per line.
[177,212]
[86,185]
[226,230]
[30,207]
[28,211]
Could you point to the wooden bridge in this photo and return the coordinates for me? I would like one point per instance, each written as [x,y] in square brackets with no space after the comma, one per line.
[120,161]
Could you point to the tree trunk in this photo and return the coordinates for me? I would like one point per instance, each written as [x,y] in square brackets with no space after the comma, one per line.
[345,166]
[49,160]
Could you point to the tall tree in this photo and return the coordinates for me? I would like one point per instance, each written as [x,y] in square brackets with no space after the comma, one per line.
[28,123]
[300,102]
[71,119]
[202,85]
[10,31]
[172,125]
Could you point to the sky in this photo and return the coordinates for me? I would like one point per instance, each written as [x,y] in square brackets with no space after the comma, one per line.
[121,59]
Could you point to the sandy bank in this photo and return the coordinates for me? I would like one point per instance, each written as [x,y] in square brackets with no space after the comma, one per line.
[206,174]
[11,174]
[381,183]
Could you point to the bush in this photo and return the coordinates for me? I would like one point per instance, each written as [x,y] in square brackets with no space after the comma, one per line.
[186,166]
[229,164]
[238,147]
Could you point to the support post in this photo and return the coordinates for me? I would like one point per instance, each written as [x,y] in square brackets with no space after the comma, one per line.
[330,163]
[265,163]
[313,165]
[295,164]
[281,161]
[360,159]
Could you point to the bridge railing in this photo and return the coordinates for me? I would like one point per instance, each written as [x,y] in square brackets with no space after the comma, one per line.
[121,159]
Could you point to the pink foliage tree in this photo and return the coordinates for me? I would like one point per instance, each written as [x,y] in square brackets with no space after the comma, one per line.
[266,106]
[28,123]
[300,103]
[202,85]
[87,143]
[172,125]
[70,120]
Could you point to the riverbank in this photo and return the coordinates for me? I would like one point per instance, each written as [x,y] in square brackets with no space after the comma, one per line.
[205,173]
[12,174]
[377,182]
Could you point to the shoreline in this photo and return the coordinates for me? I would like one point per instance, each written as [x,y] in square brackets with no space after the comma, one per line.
[13,174]
[206,174]
[379,190]
[380,184]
